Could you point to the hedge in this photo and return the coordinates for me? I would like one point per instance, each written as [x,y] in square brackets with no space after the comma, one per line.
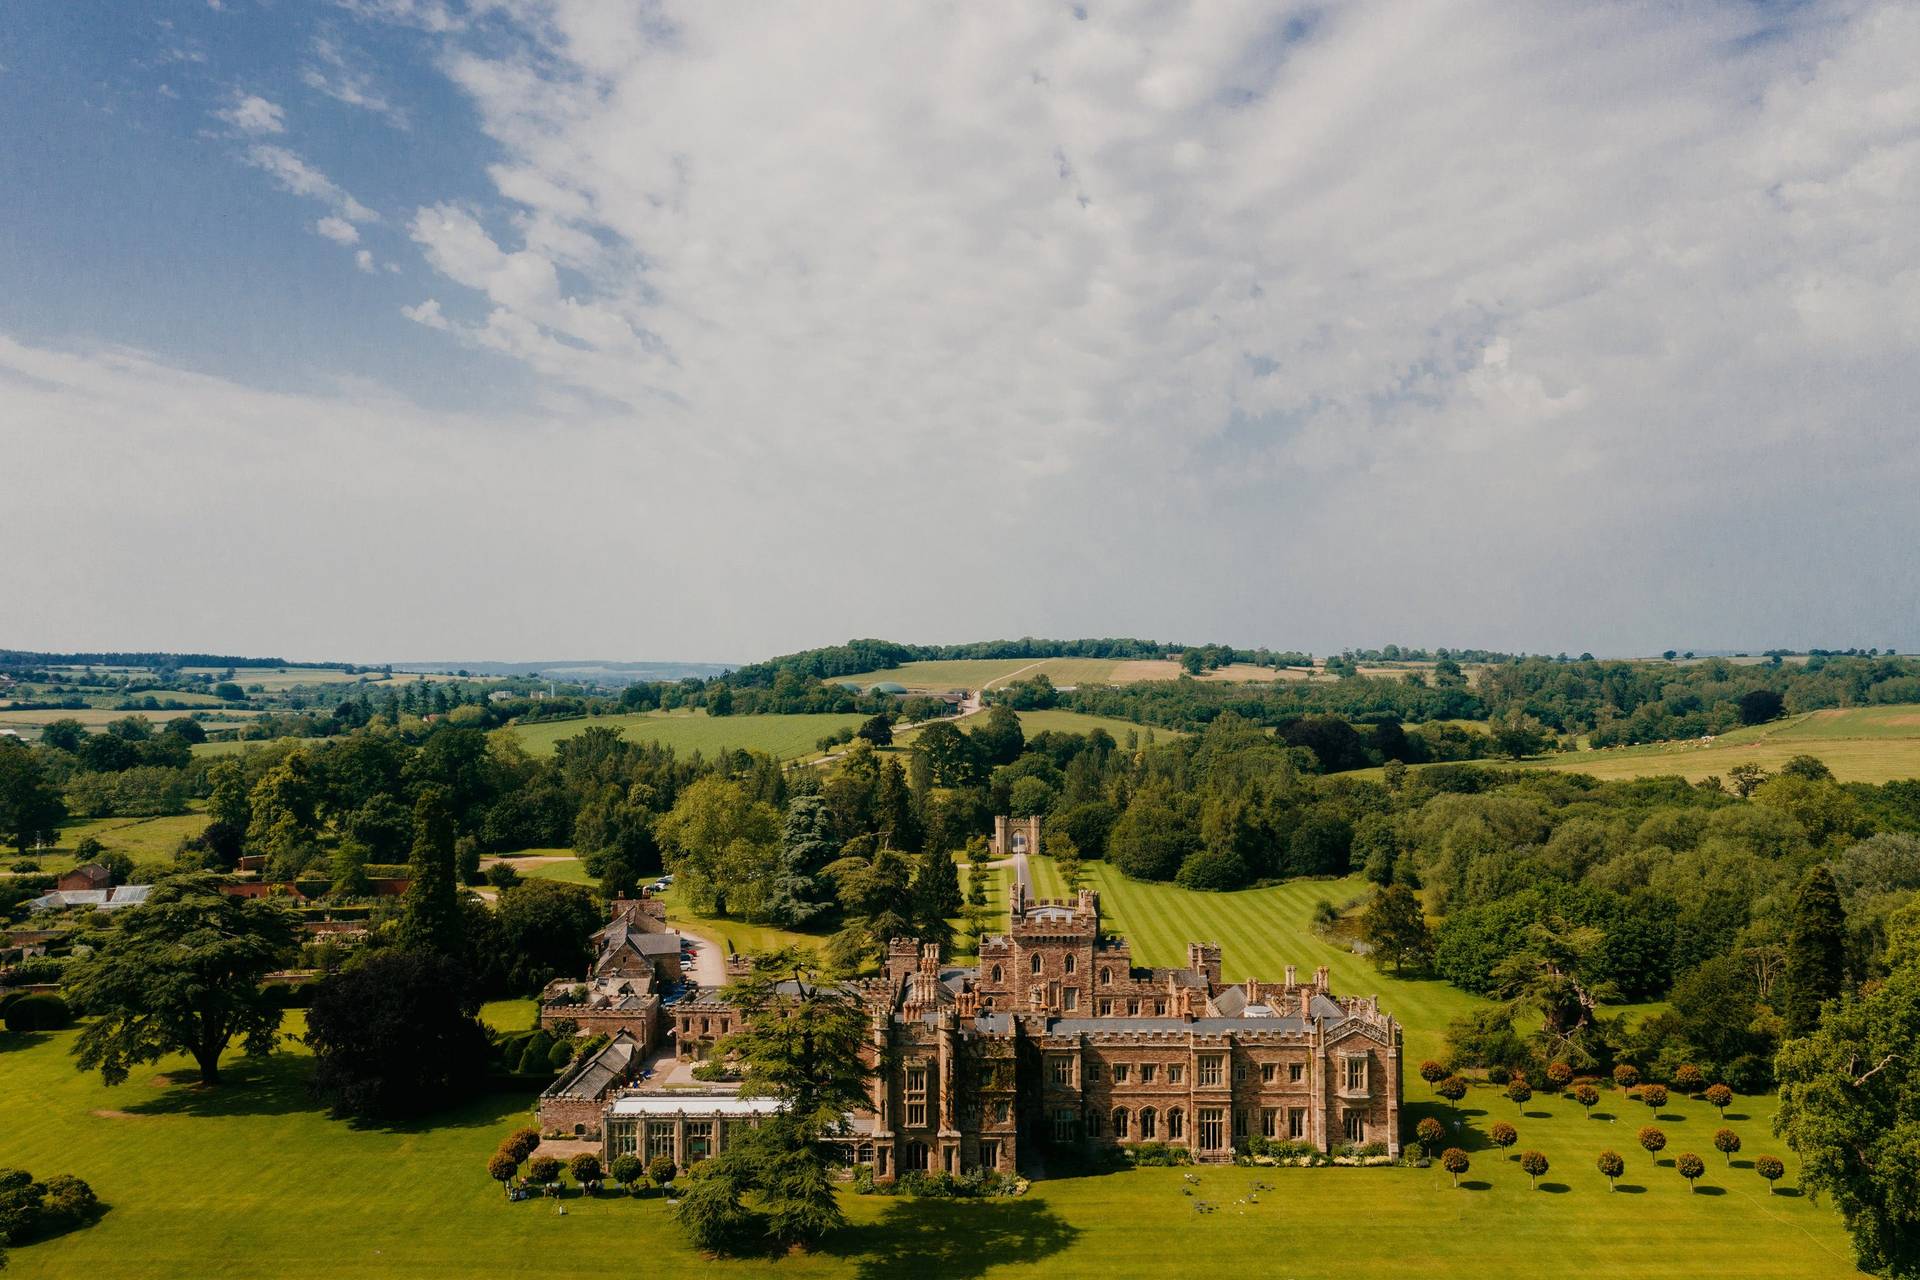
[39,1013]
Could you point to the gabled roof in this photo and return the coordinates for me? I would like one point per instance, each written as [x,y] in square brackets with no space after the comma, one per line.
[601,1073]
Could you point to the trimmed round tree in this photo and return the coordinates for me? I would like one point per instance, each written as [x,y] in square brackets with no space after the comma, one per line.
[1429,1133]
[501,1169]
[1519,1091]
[1559,1075]
[1502,1134]
[1726,1142]
[1690,1166]
[1535,1164]
[1626,1075]
[544,1170]
[660,1170]
[1432,1072]
[1687,1079]
[1455,1162]
[585,1169]
[1612,1165]
[627,1170]
[1453,1088]
[1771,1168]
[1719,1097]
[520,1144]
[1654,1141]
[1586,1095]
[1654,1095]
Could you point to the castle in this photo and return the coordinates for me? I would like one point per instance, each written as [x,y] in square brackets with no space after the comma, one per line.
[1057,1041]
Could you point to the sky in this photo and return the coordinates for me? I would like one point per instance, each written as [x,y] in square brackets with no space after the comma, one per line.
[532,329]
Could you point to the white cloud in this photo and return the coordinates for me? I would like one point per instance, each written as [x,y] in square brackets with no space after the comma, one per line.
[363,259]
[427,313]
[333,74]
[338,230]
[253,114]
[302,179]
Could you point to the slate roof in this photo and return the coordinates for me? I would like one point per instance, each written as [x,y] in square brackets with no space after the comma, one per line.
[598,1075]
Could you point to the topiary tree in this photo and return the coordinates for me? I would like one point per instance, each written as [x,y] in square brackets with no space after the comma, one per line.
[1626,1075]
[520,1144]
[1519,1091]
[1535,1164]
[1690,1166]
[1503,1135]
[627,1170]
[1559,1075]
[1586,1095]
[501,1168]
[1429,1133]
[544,1170]
[586,1171]
[1455,1162]
[660,1170]
[1719,1097]
[1654,1141]
[1654,1095]
[1771,1168]
[1726,1142]
[1432,1072]
[1687,1079]
[1612,1165]
[1453,1088]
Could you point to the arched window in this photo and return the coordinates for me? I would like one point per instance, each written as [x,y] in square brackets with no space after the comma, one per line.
[1119,1122]
[998,976]
[1106,977]
[1070,962]
[1036,962]
[1176,1125]
[1147,1123]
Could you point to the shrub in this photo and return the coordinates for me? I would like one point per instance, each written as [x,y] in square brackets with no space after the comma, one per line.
[1719,1097]
[534,1061]
[1160,1154]
[1497,1074]
[627,1170]
[39,1013]
[1502,1134]
[1453,1088]
[1770,1168]
[1626,1075]
[585,1168]
[1654,1141]
[1519,1092]
[1535,1164]
[520,1144]
[660,1170]
[1586,1095]
[1455,1162]
[502,1167]
[1432,1072]
[1429,1133]
[1690,1166]
[1611,1165]
[501,875]
[1654,1095]
[1687,1078]
[544,1170]
[70,1202]
[1559,1075]
[560,1055]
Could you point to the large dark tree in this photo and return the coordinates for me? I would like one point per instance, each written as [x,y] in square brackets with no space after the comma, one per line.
[1850,1107]
[396,1036]
[800,892]
[545,932]
[1396,929]
[1816,952]
[30,806]
[936,896]
[430,918]
[180,974]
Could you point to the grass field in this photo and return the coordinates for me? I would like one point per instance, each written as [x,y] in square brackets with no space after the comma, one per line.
[787,737]
[274,679]
[253,1180]
[1860,744]
[976,673]
[1032,722]
[139,838]
[98,718]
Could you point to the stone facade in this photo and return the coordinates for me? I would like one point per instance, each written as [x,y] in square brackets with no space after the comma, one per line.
[1014,835]
[1057,1042]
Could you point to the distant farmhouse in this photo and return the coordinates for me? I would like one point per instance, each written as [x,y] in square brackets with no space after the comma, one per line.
[89,886]
[1055,1039]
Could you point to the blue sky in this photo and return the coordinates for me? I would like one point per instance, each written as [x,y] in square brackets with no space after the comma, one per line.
[523,328]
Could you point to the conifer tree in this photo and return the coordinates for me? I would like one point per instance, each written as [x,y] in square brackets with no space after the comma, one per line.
[430,918]
[1816,952]
[936,896]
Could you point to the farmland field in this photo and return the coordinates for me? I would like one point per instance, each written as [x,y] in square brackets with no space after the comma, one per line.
[274,679]
[785,736]
[1860,744]
[139,838]
[98,718]
[1032,722]
[976,673]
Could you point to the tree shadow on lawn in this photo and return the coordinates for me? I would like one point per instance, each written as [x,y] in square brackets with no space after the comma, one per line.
[1629,1189]
[953,1237]
[1555,1188]
[1706,1190]
[275,1085]
[1735,1115]
[1476,1185]
[1604,1116]
[1789,1192]
[13,1040]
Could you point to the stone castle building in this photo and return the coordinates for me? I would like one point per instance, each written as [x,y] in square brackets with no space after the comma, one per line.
[1057,1041]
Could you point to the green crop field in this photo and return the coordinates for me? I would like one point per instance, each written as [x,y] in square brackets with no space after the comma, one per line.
[1032,722]
[1860,744]
[788,737]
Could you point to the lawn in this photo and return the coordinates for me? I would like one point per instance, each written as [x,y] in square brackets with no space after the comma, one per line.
[253,1180]
[787,737]
[139,838]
